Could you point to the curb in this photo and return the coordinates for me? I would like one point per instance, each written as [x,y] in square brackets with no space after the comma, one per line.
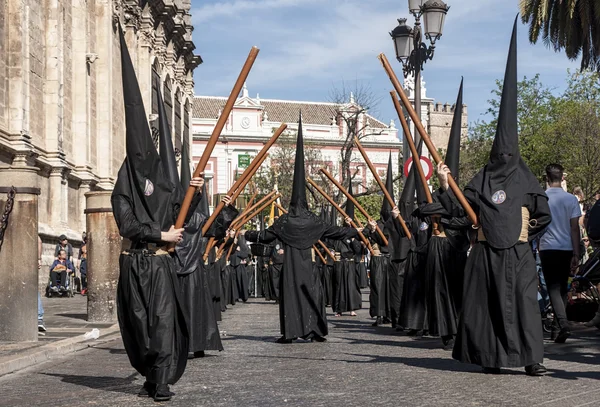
[54,350]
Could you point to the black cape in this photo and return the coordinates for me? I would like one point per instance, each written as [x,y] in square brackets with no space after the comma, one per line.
[301,305]
[345,281]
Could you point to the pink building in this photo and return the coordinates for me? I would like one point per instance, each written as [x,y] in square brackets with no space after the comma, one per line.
[253,121]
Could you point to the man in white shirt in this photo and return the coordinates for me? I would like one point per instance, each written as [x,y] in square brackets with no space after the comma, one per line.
[559,246]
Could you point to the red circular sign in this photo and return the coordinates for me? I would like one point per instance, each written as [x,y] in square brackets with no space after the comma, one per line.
[425,163]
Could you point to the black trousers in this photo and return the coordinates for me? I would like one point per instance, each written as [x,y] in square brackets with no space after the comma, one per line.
[556,266]
[54,277]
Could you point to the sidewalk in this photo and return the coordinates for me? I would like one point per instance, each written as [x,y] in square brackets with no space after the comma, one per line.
[358,366]
[65,321]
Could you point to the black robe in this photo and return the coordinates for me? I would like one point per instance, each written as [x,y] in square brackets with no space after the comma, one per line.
[301,308]
[413,305]
[345,281]
[500,325]
[392,281]
[275,266]
[194,279]
[444,270]
[149,308]
[237,261]
[361,268]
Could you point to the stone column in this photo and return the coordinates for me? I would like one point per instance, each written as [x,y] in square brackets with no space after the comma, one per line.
[19,255]
[104,248]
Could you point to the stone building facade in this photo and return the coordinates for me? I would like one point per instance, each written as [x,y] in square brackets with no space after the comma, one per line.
[61,102]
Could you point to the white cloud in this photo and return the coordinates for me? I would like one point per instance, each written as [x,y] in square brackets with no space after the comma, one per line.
[222,9]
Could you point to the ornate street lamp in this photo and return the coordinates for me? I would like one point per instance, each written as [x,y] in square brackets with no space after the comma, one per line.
[410,49]
[434,16]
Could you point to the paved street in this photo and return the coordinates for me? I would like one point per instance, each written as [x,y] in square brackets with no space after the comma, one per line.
[358,366]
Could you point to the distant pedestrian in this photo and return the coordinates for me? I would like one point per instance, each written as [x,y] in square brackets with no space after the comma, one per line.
[64,245]
[559,247]
[41,327]
[83,268]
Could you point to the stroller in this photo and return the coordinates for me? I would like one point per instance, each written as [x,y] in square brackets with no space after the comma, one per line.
[584,297]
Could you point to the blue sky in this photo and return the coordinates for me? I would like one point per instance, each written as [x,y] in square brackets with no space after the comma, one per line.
[308,47]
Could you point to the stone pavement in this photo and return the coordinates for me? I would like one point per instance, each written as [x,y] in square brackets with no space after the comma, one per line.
[358,366]
[64,318]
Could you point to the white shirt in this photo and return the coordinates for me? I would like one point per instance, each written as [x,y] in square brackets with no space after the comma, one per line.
[563,207]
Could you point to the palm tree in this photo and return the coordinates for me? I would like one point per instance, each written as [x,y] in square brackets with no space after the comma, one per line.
[572,25]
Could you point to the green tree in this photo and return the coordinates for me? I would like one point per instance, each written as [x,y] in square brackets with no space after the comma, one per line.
[569,25]
[560,129]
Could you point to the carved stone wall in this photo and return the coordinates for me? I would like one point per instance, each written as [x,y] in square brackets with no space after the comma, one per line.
[61,101]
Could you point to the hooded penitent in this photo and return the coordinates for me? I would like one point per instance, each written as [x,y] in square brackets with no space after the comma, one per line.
[504,181]
[165,149]
[142,179]
[386,208]
[453,152]
[349,204]
[299,228]
[186,174]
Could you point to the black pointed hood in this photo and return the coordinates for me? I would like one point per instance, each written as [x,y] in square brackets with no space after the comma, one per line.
[386,208]
[165,146]
[299,228]
[141,178]
[407,198]
[298,200]
[504,182]
[349,203]
[204,204]
[453,151]
[186,172]
[505,156]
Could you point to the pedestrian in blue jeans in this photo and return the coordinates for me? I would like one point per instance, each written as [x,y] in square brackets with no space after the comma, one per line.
[41,327]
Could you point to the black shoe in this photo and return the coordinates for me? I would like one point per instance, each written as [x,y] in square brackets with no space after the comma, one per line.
[535,370]
[412,332]
[400,329]
[562,335]
[162,393]
[199,354]
[386,320]
[283,340]
[491,370]
[147,390]
[448,343]
[377,322]
[318,338]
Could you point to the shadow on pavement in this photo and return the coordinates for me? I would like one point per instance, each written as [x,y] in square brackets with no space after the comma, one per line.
[74,316]
[563,374]
[113,351]
[417,343]
[107,383]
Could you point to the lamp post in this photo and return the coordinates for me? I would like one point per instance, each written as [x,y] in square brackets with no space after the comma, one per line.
[411,51]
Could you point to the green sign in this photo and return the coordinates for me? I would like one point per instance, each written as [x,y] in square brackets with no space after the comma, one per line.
[244,160]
